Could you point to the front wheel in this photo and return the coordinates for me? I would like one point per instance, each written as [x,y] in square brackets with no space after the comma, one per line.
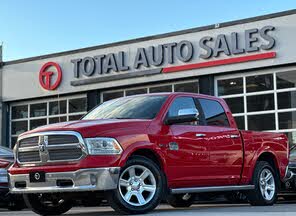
[140,187]
[266,185]
[48,204]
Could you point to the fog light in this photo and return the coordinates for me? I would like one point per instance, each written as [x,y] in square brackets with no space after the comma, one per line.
[93,179]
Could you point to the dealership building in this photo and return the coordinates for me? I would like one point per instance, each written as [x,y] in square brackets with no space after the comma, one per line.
[251,63]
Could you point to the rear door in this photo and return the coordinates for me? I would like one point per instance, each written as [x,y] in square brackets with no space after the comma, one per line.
[224,144]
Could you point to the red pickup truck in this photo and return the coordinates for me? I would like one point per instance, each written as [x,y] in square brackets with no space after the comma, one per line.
[136,151]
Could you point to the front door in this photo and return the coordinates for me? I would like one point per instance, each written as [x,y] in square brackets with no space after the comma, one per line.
[187,156]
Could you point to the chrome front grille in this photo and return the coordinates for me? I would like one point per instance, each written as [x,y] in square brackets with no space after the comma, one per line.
[66,154]
[62,139]
[48,147]
[32,156]
[29,142]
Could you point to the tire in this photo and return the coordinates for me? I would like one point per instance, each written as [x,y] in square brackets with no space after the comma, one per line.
[130,196]
[181,200]
[16,206]
[58,206]
[15,202]
[259,197]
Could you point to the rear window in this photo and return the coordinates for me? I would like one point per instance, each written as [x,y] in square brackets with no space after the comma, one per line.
[214,113]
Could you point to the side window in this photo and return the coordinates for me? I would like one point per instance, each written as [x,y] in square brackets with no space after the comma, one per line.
[214,113]
[181,105]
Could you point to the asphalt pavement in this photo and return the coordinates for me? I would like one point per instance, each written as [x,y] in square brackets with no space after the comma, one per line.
[286,209]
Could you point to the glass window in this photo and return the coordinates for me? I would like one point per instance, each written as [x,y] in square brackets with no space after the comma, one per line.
[259,83]
[112,95]
[36,123]
[287,120]
[240,122]
[136,91]
[19,127]
[236,105]
[167,88]
[261,122]
[37,110]
[260,102]
[137,107]
[19,112]
[286,100]
[57,119]
[214,113]
[179,104]
[230,86]
[187,87]
[75,117]
[77,105]
[57,107]
[286,79]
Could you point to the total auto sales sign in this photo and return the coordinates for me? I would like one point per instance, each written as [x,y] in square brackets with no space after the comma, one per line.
[235,45]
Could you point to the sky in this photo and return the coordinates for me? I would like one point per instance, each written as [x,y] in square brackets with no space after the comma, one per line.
[38,27]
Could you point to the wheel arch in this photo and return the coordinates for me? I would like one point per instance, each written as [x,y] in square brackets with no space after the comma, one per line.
[271,159]
[150,154]
[147,150]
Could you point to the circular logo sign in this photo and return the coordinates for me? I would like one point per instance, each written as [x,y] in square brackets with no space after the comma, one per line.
[50,80]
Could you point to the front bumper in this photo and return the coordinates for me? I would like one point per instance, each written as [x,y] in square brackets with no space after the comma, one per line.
[93,179]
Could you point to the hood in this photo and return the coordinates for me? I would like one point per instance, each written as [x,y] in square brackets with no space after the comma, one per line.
[97,127]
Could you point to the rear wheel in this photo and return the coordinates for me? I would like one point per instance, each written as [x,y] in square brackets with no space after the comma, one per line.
[266,185]
[181,200]
[47,204]
[140,187]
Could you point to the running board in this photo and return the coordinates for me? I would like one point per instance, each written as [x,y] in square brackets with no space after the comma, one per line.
[212,189]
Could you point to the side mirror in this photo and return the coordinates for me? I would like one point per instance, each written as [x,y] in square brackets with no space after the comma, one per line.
[184,115]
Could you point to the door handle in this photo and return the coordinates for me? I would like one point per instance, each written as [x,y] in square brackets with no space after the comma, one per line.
[234,136]
[200,135]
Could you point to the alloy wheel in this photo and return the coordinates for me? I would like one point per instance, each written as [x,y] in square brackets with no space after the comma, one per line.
[267,184]
[137,185]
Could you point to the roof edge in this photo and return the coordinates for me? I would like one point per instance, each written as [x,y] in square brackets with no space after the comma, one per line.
[157,36]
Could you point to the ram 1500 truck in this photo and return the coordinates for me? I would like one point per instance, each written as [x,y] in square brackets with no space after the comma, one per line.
[138,150]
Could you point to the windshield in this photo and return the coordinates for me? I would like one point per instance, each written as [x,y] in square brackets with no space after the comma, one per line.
[139,107]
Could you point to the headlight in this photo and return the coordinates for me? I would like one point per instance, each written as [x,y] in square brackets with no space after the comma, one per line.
[103,146]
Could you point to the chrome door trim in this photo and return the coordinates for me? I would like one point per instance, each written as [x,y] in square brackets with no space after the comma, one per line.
[234,136]
[200,135]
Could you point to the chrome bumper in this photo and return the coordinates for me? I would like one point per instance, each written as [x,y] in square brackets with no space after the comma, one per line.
[94,179]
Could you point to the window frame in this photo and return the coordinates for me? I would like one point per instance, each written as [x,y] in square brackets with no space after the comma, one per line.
[205,121]
[47,116]
[274,91]
[197,105]
[150,86]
